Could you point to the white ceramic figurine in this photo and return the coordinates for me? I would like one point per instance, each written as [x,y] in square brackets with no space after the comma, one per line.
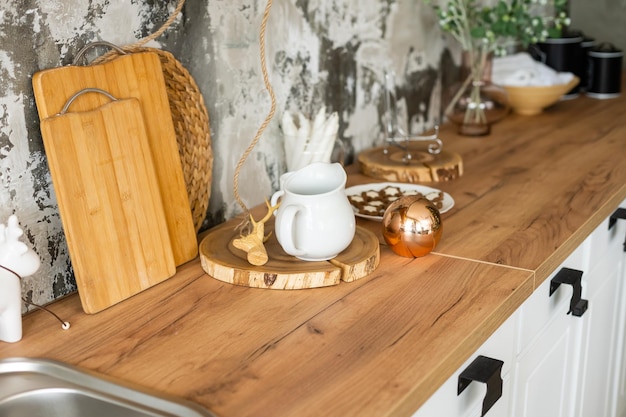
[16,258]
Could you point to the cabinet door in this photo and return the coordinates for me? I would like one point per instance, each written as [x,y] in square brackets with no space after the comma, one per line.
[620,377]
[548,352]
[613,244]
[445,402]
[600,359]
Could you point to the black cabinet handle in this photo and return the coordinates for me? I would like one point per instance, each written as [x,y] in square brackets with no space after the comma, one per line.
[486,370]
[620,213]
[577,306]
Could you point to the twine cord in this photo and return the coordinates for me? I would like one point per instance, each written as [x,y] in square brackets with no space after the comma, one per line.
[189,115]
[245,224]
[64,324]
[162,29]
[145,39]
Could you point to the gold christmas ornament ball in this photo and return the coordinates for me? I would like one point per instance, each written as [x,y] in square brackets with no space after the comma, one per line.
[412,226]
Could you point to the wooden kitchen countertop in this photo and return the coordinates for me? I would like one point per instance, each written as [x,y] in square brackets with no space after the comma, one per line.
[380,346]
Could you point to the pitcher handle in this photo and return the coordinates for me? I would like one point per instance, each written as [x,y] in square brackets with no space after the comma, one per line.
[284,234]
[274,200]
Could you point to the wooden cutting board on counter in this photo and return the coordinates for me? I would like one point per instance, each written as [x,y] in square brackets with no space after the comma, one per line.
[109,200]
[222,261]
[140,76]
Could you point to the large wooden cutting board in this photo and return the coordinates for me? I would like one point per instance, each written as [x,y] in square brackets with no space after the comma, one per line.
[109,201]
[137,75]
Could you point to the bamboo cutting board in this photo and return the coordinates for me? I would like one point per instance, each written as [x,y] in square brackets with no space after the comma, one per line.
[137,75]
[109,201]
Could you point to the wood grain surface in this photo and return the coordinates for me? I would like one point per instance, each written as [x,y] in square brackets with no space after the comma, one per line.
[109,202]
[537,185]
[222,261]
[379,346]
[422,167]
[139,76]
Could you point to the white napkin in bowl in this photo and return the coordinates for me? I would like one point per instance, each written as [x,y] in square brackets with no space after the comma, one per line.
[522,70]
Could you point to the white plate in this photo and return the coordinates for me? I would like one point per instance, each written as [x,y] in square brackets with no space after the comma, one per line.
[447,202]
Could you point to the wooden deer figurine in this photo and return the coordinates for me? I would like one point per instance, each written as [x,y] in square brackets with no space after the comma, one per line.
[252,243]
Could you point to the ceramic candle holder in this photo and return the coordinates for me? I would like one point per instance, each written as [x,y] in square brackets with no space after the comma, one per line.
[17,260]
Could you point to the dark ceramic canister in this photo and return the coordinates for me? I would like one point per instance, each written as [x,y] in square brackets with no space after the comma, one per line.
[605,71]
[563,54]
[583,67]
[586,45]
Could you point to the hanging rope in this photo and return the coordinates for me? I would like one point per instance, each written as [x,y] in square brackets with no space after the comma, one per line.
[162,29]
[134,46]
[245,224]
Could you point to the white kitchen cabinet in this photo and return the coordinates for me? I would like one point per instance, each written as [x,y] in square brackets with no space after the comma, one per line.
[549,343]
[616,248]
[600,354]
[567,365]
[446,402]
[558,362]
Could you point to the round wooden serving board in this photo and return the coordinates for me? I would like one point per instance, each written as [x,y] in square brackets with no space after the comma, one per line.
[423,166]
[221,260]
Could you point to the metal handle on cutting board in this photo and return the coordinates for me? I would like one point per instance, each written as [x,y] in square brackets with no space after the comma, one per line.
[87,47]
[81,92]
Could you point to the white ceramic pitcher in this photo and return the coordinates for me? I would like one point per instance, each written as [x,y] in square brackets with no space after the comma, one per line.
[315,220]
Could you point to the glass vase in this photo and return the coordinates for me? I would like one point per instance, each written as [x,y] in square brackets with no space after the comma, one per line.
[475,103]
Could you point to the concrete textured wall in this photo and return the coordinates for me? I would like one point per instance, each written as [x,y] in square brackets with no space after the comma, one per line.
[319,52]
[603,20]
[34,35]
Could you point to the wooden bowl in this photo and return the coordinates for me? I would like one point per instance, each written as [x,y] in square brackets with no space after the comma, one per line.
[531,100]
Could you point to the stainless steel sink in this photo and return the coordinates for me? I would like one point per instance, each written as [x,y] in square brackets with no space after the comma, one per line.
[45,388]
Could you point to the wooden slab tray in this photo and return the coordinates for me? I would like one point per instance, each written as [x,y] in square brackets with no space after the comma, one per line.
[423,167]
[221,260]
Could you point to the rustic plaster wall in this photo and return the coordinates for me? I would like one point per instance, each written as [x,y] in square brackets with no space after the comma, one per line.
[603,20]
[319,52]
